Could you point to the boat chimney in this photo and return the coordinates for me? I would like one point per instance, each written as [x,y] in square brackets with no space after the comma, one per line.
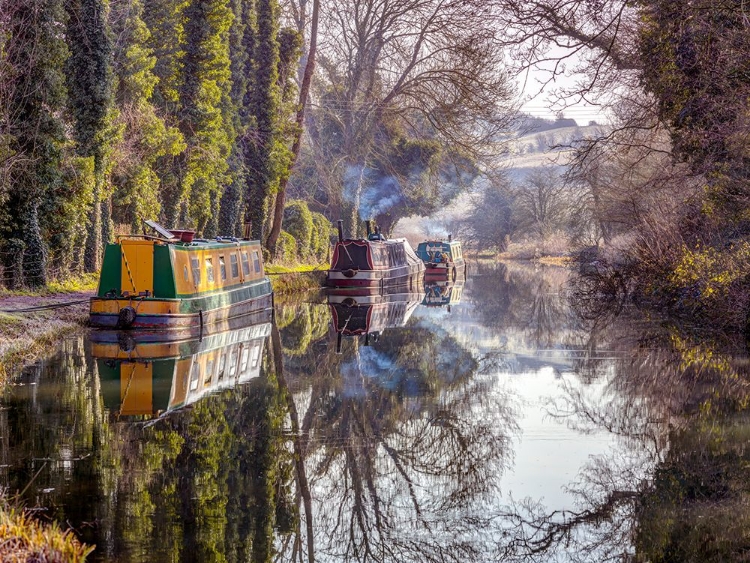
[368,226]
[341,230]
[450,237]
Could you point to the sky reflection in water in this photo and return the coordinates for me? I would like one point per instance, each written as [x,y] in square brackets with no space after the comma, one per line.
[487,424]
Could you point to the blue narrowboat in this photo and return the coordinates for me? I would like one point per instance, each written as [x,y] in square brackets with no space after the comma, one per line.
[443,260]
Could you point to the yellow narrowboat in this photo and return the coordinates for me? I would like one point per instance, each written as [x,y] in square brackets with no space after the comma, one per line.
[177,285]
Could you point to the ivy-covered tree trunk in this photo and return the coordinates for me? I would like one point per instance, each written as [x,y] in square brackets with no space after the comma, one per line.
[696,65]
[35,251]
[304,93]
[241,43]
[264,103]
[230,206]
[89,73]
[167,43]
[204,98]
[13,250]
[36,56]
[92,253]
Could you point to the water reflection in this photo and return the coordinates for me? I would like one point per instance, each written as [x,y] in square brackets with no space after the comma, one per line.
[397,464]
[370,314]
[443,293]
[512,429]
[153,378]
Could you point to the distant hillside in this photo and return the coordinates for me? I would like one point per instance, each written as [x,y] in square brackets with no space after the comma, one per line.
[529,150]
[530,124]
[544,148]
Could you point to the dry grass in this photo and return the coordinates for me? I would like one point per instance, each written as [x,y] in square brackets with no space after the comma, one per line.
[24,539]
[85,283]
[296,278]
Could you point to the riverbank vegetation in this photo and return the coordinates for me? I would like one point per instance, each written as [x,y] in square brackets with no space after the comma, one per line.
[658,199]
[195,113]
[23,538]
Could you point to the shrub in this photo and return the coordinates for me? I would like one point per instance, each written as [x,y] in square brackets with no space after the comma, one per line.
[286,248]
[323,232]
[298,222]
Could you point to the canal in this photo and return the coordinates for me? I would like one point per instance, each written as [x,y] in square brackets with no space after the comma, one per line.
[507,417]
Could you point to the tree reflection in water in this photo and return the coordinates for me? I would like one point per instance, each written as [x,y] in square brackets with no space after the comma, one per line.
[678,490]
[398,464]
[395,451]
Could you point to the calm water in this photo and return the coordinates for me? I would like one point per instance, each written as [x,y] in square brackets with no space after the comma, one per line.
[504,419]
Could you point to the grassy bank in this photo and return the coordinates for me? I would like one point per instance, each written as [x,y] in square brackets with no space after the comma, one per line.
[296,278]
[22,538]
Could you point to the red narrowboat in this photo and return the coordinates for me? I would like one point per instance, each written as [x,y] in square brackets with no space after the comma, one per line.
[373,262]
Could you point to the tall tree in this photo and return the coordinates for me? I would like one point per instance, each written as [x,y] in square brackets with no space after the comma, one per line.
[241,43]
[402,71]
[35,53]
[263,104]
[696,65]
[166,22]
[304,92]
[145,135]
[89,74]
[204,119]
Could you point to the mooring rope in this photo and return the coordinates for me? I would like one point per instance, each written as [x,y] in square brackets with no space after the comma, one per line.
[43,307]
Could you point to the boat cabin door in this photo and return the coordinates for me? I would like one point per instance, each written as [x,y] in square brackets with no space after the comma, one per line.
[137,272]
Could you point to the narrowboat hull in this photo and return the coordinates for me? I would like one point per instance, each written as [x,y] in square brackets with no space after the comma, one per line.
[128,338]
[445,270]
[374,279]
[182,313]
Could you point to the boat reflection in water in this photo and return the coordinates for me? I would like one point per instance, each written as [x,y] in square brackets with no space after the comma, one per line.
[148,379]
[442,293]
[369,315]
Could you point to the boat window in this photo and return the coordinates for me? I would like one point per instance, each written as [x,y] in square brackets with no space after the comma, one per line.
[243,360]
[209,270]
[256,356]
[185,271]
[222,366]
[233,363]
[209,373]
[196,270]
[245,264]
[235,267]
[222,268]
[195,376]
[256,261]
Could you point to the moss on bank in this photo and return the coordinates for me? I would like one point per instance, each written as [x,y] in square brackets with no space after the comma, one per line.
[22,538]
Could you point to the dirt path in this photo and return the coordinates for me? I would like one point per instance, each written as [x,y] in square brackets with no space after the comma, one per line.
[31,324]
